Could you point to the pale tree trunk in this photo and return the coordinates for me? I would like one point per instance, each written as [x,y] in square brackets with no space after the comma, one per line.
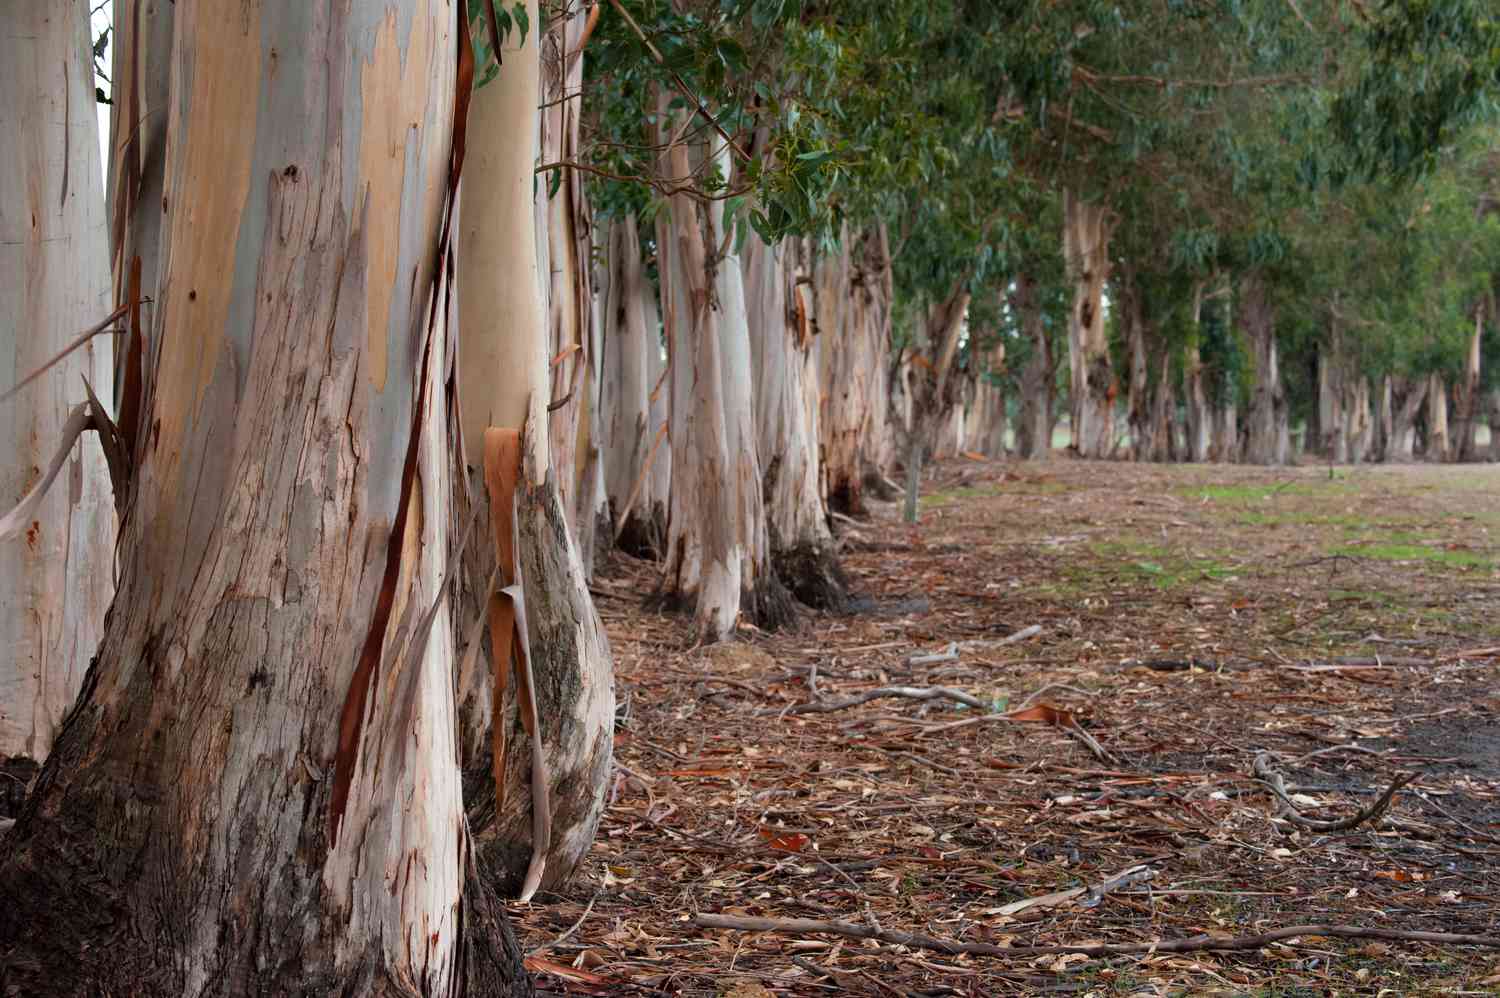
[761,592]
[1038,379]
[1438,448]
[57,577]
[659,475]
[1403,400]
[503,383]
[594,521]
[781,335]
[1467,395]
[874,297]
[1199,418]
[630,346]
[1384,420]
[1086,233]
[1269,439]
[934,392]
[843,368]
[989,419]
[716,546]
[257,788]
[564,251]
[1358,425]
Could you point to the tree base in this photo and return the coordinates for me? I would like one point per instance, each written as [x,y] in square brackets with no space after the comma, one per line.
[16,775]
[644,536]
[813,574]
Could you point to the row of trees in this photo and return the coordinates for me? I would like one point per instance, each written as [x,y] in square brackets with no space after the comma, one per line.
[413,313]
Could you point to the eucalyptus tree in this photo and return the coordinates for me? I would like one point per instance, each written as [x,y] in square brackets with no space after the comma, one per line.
[57,557]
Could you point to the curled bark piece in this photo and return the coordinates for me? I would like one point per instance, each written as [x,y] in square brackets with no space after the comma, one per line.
[16,521]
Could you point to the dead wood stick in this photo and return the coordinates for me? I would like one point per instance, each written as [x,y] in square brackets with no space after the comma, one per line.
[949,654]
[1277,784]
[1190,944]
[903,692]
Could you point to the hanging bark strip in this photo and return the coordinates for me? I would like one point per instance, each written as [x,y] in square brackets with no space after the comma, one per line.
[1192,944]
[354,714]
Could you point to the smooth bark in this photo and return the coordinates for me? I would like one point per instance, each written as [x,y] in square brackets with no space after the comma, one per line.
[637,506]
[1404,397]
[56,579]
[1467,396]
[1438,446]
[503,370]
[1087,227]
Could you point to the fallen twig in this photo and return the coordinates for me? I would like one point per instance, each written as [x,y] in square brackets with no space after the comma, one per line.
[903,692]
[949,654]
[566,935]
[1277,784]
[1199,943]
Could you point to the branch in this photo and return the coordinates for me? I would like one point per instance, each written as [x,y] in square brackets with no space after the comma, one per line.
[682,86]
[1274,781]
[903,692]
[1191,944]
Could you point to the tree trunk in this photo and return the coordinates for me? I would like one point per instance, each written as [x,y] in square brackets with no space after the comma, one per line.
[208,822]
[629,345]
[1466,447]
[504,383]
[934,391]
[1199,417]
[1331,444]
[1086,233]
[1138,400]
[565,222]
[1269,440]
[781,336]
[1358,426]
[1404,400]
[1038,378]
[1226,434]
[57,577]
[1164,445]
[1438,448]
[989,416]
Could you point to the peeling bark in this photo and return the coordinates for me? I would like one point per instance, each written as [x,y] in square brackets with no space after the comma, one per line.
[1086,233]
[289,522]
[57,579]
[1403,400]
[1358,425]
[504,382]
[781,339]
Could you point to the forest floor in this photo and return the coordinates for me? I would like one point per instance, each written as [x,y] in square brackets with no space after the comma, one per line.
[1175,623]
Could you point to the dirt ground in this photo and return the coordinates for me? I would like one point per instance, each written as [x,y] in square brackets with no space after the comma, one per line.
[1129,640]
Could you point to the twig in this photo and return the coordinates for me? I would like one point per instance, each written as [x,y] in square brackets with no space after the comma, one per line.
[1274,780]
[903,692]
[1051,686]
[1191,944]
[564,937]
[949,654]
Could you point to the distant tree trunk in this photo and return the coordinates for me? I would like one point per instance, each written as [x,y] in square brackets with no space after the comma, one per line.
[1466,394]
[1226,434]
[1438,448]
[988,423]
[1332,443]
[1038,378]
[781,339]
[1270,437]
[1358,425]
[852,299]
[1404,398]
[504,385]
[209,821]
[629,345]
[935,391]
[56,579]
[1086,232]
[1164,445]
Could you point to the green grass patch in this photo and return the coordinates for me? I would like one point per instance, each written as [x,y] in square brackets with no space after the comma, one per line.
[1417,552]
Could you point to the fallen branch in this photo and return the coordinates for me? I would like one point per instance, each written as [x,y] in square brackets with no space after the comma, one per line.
[903,692]
[948,654]
[1191,944]
[1277,784]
